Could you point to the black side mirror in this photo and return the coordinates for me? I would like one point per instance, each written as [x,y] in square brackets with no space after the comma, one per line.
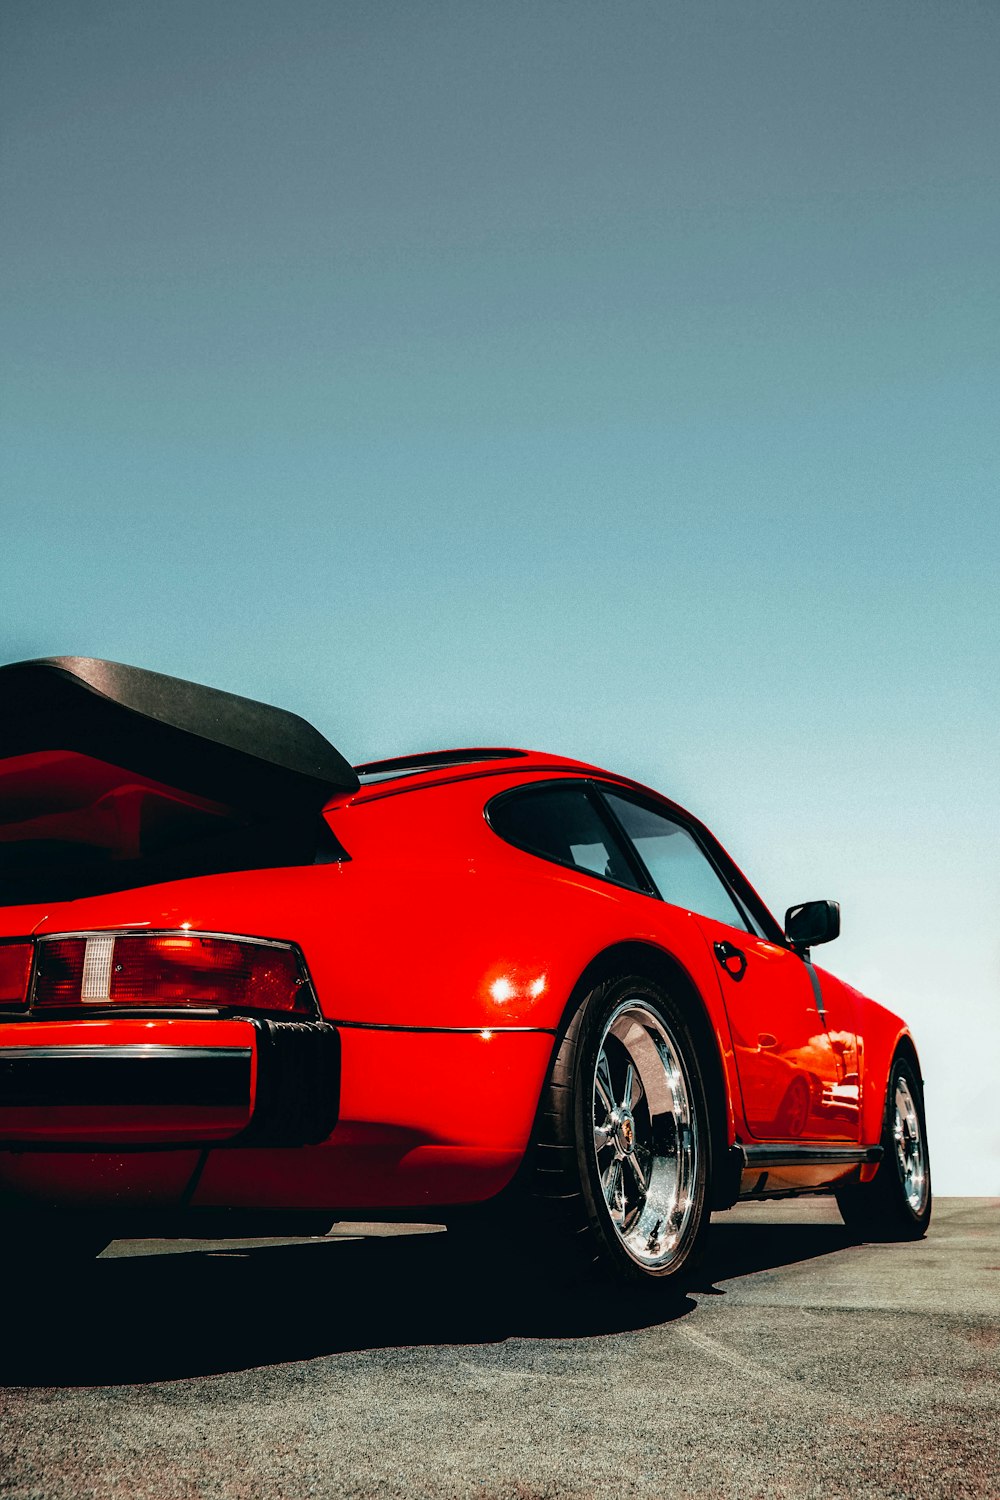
[812,922]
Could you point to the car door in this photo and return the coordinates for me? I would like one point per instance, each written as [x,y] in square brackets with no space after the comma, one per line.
[789,1069]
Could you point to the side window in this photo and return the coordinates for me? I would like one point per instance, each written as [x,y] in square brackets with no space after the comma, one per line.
[565,824]
[681,872]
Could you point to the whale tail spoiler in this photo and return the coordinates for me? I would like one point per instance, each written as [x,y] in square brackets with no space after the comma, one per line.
[113,776]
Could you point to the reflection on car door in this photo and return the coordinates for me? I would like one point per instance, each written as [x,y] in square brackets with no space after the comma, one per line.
[791,1075]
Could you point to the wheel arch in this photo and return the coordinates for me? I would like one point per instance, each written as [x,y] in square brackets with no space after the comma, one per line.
[886,1038]
[906,1046]
[637,957]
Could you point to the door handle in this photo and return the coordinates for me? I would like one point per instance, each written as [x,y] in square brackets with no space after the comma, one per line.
[732,959]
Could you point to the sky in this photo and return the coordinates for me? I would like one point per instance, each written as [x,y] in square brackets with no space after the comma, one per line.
[618,380]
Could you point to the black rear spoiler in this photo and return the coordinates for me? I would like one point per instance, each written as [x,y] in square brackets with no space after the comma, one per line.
[209,743]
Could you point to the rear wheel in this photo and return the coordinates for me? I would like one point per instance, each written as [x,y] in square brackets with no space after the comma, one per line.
[622,1152]
[896,1204]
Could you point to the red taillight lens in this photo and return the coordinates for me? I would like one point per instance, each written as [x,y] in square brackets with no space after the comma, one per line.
[60,972]
[182,970]
[171,969]
[15,966]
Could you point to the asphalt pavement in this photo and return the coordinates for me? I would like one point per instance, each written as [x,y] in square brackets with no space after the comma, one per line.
[364,1365]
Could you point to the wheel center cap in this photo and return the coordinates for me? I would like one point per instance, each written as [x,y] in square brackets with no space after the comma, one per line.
[626,1134]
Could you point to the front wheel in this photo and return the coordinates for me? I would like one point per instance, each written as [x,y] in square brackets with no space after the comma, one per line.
[622,1150]
[896,1204]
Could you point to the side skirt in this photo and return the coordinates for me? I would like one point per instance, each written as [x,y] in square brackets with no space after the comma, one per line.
[782,1169]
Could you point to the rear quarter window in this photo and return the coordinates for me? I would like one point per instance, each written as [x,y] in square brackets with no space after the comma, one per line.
[563,824]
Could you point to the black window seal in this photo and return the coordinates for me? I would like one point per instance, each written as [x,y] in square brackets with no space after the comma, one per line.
[643,885]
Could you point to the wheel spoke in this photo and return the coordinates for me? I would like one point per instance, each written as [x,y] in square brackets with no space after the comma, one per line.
[629,1086]
[603,1082]
[638,1174]
[610,1181]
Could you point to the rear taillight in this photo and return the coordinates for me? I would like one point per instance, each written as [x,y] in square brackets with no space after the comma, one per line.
[15,966]
[170,969]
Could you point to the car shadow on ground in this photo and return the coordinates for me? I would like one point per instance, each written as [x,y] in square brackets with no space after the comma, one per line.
[165,1316]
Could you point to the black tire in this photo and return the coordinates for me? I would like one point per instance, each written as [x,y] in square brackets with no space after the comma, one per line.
[586,1173]
[896,1204]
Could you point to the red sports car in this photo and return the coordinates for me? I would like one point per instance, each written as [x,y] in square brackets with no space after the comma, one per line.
[248,989]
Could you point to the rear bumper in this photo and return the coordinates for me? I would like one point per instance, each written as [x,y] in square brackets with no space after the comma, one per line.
[167,1082]
[426,1120]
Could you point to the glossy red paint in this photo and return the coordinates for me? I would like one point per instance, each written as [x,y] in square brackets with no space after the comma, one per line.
[788,1069]
[119,1181]
[447,959]
[425,1118]
[881,1035]
[15,970]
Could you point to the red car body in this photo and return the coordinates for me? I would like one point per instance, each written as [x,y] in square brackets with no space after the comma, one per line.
[437,966]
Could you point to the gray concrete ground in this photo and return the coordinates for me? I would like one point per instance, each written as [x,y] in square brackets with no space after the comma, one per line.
[358,1365]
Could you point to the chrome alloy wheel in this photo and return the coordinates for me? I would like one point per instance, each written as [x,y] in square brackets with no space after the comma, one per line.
[645,1134]
[911,1155]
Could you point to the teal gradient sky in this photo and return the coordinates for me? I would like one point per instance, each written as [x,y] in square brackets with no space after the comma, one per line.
[614,379]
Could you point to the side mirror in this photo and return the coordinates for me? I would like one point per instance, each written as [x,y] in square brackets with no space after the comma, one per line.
[813,922]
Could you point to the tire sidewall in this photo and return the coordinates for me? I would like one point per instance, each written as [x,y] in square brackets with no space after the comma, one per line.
[898,1203]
